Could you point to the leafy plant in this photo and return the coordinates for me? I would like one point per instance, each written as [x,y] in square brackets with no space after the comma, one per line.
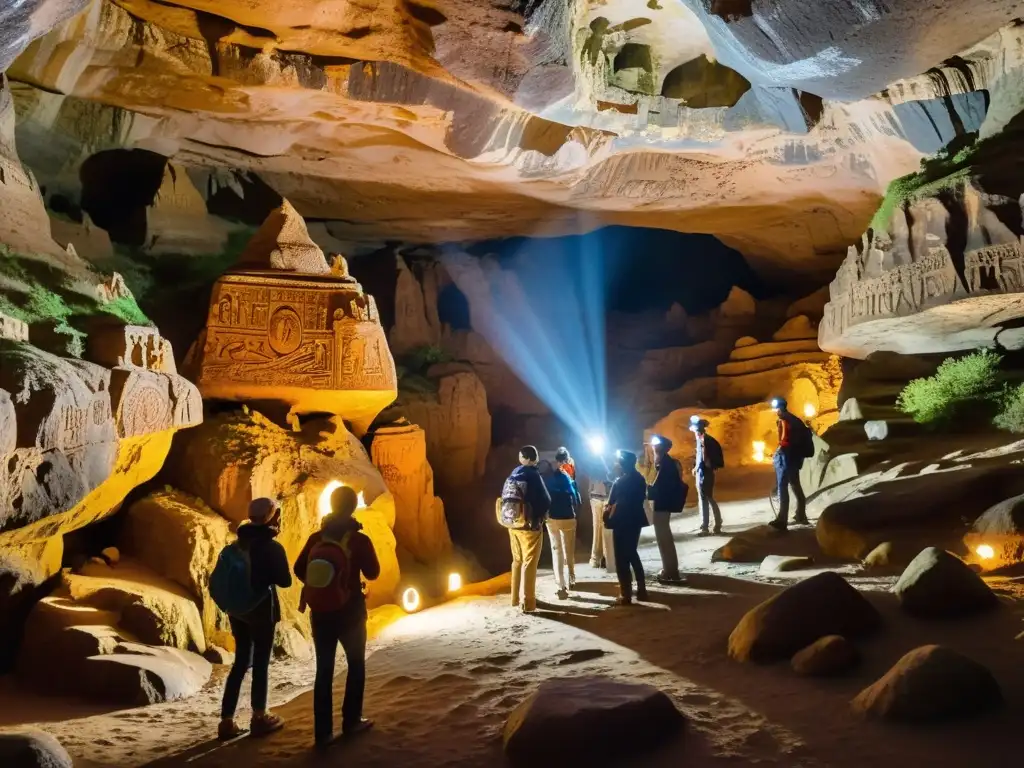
[421,358]
[958,386]
[1011,412]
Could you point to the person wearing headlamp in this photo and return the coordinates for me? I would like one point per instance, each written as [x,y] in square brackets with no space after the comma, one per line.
[667,494]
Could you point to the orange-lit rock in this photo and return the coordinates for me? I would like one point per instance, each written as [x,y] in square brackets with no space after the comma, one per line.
[399,451]
[286,327]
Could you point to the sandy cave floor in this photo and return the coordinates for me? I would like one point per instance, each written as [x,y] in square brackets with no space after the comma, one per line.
[442,682]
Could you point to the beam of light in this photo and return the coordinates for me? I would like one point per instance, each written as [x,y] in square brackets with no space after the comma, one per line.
[411,600]
[545,316]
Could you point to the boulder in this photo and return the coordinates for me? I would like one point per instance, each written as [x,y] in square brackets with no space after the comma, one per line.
[763,541]
[32,749]
[880,557]
[219,656]
[745,341]
[829,655]
[851,411]
[180,538]
[580,720]
[997,537]
[112,555]
[139,675]
[876,429]
[773,564]
[822,605]
[938,584]
[930,683]
[738,304]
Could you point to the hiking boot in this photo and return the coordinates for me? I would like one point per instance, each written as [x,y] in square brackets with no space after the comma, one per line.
[668,578]
[801,521]
[623,600]
[641,595]
[718,530]
[572,582]
[229,729]
[264,723]
[703,532]
[563,594]
[595,563]
[362,725]
[779,526]
[527,609]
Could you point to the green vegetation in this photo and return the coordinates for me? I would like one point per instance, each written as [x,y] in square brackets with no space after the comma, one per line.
[412,369]
[1011,412]
[968,386]
[945,170]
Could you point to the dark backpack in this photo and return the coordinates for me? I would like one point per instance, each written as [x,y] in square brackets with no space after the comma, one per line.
[326,586]
[713,454]
[231,582]
[512,509]
[801,438]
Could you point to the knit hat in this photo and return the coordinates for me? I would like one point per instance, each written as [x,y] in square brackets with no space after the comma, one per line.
[262,511]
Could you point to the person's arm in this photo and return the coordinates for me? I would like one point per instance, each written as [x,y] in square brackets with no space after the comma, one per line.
[280,574]
[303,559]
[543,499]
[575,492]
[369,565]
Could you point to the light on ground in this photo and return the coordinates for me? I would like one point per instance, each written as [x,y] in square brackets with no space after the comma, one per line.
[810,411]
[596,443]
[454,582]
[985,551]
[323,505]
[411,600]
[759,451]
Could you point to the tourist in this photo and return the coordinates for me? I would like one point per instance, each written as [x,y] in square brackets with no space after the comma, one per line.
[331,567]
[794,437]
[254,630]
[565,462]
[625,517]
[561,524]
[708,459]
[523,507]
[668,495]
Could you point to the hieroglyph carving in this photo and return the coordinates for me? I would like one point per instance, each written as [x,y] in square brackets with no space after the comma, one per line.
[276,330]
[998,268]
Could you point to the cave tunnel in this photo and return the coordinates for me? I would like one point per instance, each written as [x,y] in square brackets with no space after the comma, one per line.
[117,186]
[453,308]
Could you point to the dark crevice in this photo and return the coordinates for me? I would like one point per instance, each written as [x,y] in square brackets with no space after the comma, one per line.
[453,308]
[732,10]
[634,55]
[117,187]
[956,231]
[429,16]
[813,107]
[358,33]
[258,199]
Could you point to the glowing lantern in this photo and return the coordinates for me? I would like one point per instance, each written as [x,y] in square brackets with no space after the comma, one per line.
[323,505]
[810,411]
[759,450]
[985,551]
[454,582]
[411,600]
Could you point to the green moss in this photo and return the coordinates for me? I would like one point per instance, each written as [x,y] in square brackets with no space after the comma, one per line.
[1011,412]
[967,386]
[945,170]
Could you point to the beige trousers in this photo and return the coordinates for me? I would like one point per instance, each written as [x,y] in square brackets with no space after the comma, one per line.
[526,547]
[597,548]
[563,550]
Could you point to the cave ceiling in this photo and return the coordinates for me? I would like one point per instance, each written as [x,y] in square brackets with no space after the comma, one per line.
[774,124]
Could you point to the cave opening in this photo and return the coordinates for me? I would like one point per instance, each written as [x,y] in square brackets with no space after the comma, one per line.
[453,308]
[117,187]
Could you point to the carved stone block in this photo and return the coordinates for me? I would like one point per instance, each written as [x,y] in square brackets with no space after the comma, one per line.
[12,328]
[131,346]
[141,401]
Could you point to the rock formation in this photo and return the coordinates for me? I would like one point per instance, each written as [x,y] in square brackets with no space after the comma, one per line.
[284,327]
[399,451]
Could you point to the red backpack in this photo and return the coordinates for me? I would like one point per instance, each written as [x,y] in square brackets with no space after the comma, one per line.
[326,585]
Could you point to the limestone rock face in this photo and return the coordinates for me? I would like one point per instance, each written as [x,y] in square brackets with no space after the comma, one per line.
[799,615]
[84,435]
[22,584]
[416,318]
[286,328]
[928,684]
[231,459]
[400,454]
[577,719]
[938,584]
[177,220]
[33,749]
[458,428]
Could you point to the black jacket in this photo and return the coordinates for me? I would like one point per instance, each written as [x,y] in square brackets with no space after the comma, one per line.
[536,495]
[628,494]
[269,569]
[668,491]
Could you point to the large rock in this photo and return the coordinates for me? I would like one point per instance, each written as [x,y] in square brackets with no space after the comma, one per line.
[32,749]
[177,221]
[233,458]
[829,655]
[761,542]
[399,451]
[938,584]
[799,615]
[580,721]
[930,683]
[997,537]
[180,538]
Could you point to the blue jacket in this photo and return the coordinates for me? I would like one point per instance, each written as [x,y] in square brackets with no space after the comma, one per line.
[564,496]
[536,495]
[628,495]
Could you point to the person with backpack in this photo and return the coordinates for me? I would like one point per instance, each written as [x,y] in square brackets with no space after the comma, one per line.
[708,459]
[331,567]
[625,516]
[667,494]
[561,525]
[796,443]
[566,463]
[522,509]
[244,585]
